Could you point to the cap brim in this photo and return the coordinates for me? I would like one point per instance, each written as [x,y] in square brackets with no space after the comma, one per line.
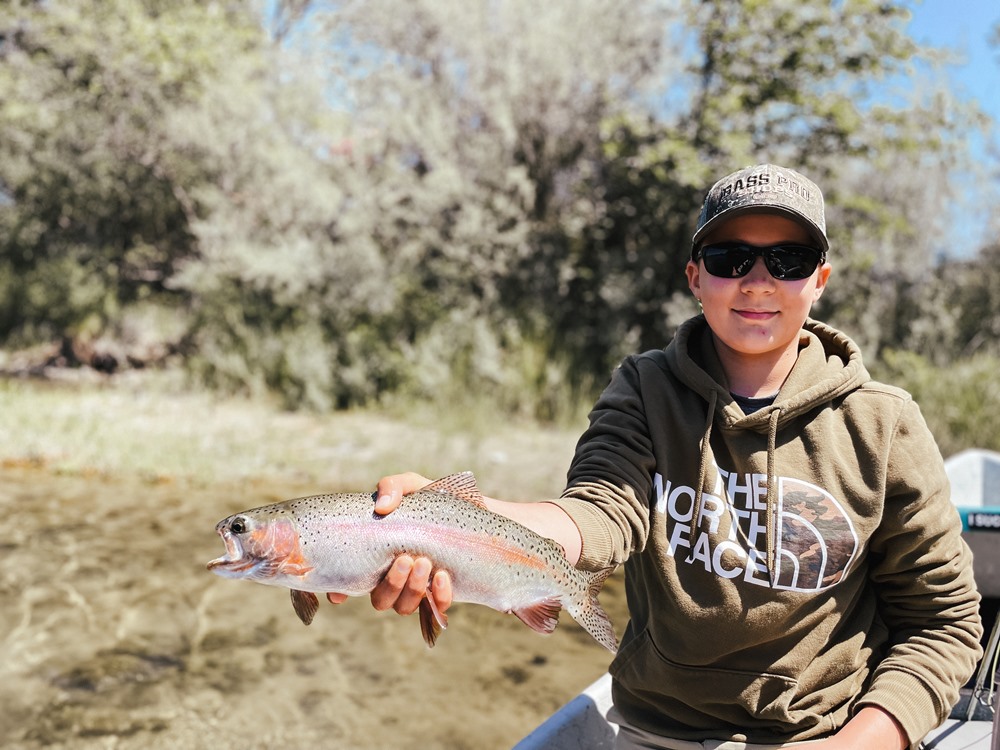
[729,213]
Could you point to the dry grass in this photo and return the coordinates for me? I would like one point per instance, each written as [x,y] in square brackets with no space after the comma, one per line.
[148,427]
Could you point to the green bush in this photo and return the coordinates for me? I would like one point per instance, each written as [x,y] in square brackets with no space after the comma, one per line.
[959,401]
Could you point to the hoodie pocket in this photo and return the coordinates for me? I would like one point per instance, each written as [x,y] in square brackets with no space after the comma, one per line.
[705,697]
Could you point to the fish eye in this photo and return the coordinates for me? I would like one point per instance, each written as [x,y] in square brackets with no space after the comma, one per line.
[238,525]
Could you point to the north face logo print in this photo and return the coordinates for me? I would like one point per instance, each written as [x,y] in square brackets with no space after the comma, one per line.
[815,543]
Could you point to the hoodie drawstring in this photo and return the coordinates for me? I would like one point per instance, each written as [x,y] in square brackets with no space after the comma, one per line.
[703,469]
[772,480]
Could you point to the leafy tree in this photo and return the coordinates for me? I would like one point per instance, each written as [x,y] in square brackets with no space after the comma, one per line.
[466,126]
[98,203]
[970,288]
[440,197]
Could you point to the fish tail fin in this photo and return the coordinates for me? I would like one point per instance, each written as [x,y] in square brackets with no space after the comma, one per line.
[432,621]
[588,611]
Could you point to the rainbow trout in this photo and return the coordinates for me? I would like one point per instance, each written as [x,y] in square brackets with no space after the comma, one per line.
[338,543]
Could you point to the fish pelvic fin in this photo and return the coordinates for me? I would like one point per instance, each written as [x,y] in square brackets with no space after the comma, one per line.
[463,486]
[432,621]
[541,616]
[589,613]
[305,604]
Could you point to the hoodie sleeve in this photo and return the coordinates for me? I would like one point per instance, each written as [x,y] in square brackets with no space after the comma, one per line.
[922,571]
[610,477]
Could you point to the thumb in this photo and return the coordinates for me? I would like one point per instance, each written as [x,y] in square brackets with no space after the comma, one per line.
[392,488]
[388,495]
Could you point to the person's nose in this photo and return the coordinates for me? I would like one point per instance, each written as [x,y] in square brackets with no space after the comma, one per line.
[759,279]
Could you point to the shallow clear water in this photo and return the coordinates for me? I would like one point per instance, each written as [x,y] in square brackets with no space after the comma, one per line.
[114,635]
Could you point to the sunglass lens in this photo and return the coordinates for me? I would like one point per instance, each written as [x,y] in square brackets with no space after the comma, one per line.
[791,263]
[728,262]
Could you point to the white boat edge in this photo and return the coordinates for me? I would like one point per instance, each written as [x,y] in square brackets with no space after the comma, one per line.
[582,724]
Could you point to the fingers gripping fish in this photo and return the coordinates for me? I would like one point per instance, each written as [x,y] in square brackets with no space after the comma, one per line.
[338,543]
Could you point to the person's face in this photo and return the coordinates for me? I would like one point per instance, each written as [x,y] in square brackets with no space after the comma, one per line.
[757,315]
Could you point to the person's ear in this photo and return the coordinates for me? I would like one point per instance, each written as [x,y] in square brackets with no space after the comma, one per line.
[693,271]
[821,280]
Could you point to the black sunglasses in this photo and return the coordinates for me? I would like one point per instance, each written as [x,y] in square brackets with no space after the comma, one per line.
[785,262]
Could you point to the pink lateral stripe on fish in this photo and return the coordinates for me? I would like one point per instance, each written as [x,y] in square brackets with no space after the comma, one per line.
[337,543]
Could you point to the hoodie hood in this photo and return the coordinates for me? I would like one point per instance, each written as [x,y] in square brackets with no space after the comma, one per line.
[829,365]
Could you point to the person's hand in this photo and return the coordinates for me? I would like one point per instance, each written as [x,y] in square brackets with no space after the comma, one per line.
[409,579]
[871,728]
[835,743]
[830,743]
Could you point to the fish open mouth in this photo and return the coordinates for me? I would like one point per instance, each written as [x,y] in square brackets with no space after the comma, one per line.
[234,563]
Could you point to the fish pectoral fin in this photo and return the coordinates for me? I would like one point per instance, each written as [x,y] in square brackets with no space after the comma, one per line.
[305,604]
[432,621]
[295,568]
[542,616]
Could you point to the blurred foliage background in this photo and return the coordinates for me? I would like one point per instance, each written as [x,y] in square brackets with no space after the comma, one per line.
[361,203]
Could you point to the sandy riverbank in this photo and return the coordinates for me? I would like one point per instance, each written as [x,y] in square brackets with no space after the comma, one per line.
[115,635]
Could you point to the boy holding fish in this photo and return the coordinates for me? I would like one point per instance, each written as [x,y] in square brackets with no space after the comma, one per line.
[794,567]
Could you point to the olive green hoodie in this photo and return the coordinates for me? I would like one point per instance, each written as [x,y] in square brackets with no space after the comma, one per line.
[784,604]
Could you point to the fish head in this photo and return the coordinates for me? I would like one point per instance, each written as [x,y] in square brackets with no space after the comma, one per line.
[258,548]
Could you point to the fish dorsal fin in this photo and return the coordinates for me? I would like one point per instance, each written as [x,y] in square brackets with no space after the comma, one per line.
[462,486]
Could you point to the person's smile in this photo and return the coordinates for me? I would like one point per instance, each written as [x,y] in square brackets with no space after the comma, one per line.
[757,315]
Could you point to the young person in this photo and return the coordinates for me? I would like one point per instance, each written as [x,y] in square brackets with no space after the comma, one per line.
[795,570]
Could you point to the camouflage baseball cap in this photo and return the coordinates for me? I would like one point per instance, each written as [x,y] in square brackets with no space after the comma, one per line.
[764,188]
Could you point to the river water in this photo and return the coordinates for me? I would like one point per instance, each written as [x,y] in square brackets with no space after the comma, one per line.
[115,636]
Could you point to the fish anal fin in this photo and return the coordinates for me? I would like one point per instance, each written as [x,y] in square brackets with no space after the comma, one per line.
[462,486]
[432,621]
[305,604]
[542,616]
